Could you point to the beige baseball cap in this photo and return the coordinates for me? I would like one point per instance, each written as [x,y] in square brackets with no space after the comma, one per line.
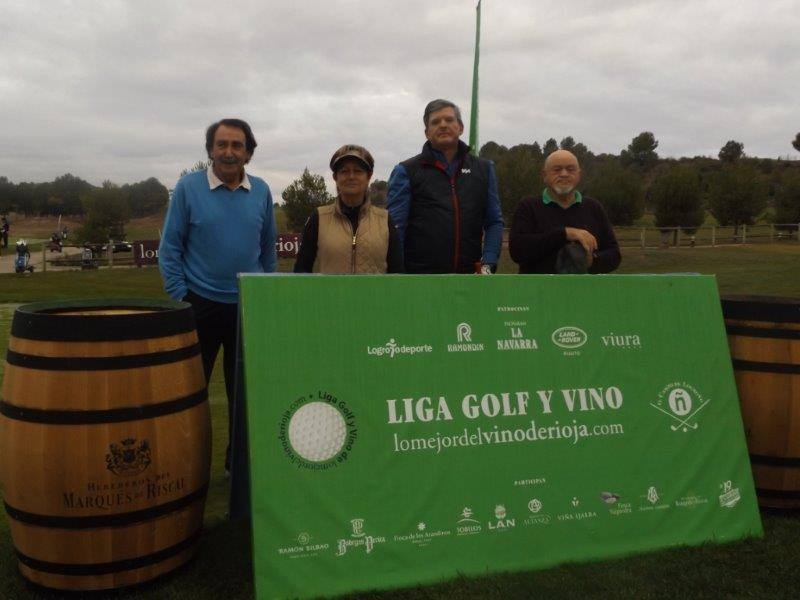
[353,151]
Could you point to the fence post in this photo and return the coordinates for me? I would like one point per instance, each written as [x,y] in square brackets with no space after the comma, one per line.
[643,234]
[110,253]
[797,233]
[771,233]
[44,258]
[678,237]
[713,236]
[744,234]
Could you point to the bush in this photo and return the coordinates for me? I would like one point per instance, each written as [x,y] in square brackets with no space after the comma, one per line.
[107,211]
[787,199]
[676,199]
[737,195]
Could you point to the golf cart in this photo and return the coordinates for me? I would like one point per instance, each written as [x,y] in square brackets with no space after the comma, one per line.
[21,263]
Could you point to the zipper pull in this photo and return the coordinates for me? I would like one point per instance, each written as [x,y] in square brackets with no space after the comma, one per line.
[353,255]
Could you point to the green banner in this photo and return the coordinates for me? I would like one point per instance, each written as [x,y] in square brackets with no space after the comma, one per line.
[406,429]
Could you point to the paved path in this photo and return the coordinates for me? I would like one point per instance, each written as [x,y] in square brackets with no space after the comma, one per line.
[9,257]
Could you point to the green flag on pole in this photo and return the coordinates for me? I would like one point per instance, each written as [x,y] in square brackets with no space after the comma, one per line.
[473,117]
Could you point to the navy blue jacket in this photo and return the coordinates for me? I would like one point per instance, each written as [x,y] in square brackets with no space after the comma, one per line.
[446,213]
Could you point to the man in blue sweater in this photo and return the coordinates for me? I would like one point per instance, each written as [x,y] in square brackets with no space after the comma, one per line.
[220,223]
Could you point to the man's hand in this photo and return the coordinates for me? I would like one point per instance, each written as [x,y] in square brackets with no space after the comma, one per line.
[585,239]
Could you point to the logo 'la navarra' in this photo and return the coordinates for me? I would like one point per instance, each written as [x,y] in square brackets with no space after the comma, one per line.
[126,458]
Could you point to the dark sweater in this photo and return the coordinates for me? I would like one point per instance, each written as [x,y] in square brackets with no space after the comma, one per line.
[537,234]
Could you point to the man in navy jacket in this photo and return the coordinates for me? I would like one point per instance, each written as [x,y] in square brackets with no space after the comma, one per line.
[444,201]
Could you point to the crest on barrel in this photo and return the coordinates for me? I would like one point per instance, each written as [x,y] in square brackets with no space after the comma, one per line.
[128,458]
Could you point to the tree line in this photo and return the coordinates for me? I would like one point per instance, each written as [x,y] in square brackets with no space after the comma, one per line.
[735,188]
[104,209]
[71,196]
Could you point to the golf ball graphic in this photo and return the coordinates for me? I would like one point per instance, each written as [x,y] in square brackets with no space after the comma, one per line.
[317,431]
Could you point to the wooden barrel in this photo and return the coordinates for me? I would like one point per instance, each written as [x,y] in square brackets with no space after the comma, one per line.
[764,339]
[104,441]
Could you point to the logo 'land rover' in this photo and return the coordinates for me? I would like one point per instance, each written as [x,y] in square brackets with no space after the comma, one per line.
[569,337]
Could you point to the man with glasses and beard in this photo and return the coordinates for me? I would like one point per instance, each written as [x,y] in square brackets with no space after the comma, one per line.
[562,231]
[220,223]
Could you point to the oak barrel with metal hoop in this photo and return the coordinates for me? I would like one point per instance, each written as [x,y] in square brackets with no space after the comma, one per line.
[764,340]
[104,441]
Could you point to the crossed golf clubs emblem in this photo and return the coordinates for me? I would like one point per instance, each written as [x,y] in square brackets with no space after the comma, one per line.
[684,423]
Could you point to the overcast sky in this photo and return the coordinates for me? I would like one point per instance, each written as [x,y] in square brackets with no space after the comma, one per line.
[124,90]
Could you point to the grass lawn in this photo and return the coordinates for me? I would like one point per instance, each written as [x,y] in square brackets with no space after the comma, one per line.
[763,568]
[759,269]
[770,269]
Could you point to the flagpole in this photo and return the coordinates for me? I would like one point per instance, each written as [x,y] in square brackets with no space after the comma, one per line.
[473,116]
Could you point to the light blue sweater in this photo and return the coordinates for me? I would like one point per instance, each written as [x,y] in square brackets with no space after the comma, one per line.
[211,235]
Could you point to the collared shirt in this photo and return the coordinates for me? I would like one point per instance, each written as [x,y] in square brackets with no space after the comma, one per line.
[547,198]
[450,167]
[214,182]
[212,233]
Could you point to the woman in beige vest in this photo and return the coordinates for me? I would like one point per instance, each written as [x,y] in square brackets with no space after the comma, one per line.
[350,235]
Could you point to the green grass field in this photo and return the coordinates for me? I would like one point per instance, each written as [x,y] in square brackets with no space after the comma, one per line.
[758,568]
